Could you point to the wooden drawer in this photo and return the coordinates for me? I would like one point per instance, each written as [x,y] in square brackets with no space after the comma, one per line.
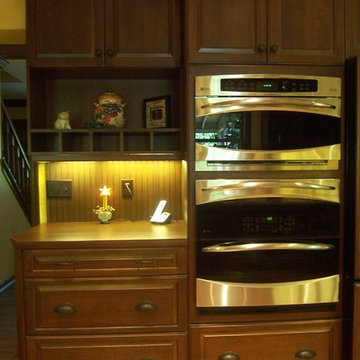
[65,306]
[107,262]
[320,340]
[139,347]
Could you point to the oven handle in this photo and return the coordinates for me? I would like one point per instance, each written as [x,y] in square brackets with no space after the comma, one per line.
[253,184]
[254,102]
[227,247]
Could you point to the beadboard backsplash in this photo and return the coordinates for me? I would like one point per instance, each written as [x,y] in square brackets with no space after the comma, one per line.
[152,182]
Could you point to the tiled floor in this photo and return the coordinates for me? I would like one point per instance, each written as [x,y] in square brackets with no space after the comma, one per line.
[8,343]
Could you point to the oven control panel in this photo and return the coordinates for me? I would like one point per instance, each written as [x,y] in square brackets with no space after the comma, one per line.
[268,224]
[269,85]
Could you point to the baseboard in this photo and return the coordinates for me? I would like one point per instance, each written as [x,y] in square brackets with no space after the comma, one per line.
[6,284]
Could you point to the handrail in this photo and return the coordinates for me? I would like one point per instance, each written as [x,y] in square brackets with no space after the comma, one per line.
[15,164]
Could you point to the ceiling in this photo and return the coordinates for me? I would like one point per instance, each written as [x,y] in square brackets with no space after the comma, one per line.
[13,80]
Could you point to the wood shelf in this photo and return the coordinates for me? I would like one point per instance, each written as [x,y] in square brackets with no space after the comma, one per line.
[159,143]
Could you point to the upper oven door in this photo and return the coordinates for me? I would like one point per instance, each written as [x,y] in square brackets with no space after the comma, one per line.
[268,133]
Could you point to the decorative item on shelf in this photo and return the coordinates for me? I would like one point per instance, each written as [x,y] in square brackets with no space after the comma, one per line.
[104,212]
[156,112]
[109,110]
[63,120]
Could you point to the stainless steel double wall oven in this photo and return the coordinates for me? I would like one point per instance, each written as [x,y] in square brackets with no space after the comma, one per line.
[271,239]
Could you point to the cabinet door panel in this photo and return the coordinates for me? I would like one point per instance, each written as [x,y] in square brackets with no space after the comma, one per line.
[352,28]
[226,31]
[129,347]
[356,323]
[66,32]
[109,262]
[142,32]
[86,305]
[320,340]
[306,31]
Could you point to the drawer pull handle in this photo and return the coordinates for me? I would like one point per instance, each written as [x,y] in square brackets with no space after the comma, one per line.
[151,261]
[147,306]
[65,309]
[147,358]
[64,263]
[305,354]
[229,355]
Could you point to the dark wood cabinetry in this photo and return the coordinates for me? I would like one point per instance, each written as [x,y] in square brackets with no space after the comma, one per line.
[272,31]
[103,32]
[120,293]
[352,28]
[276,341]
[55,90]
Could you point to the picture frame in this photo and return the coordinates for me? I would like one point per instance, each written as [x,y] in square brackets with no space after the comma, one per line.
[156,112]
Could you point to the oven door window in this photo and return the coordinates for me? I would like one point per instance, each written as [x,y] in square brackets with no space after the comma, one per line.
[267,130]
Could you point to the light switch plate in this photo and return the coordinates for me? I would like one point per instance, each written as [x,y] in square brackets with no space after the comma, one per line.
[59,188]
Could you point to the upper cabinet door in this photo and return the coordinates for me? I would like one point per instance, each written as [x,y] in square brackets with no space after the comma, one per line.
[352,28]
[306,31]
[142,32]
[226,31]
[65,33]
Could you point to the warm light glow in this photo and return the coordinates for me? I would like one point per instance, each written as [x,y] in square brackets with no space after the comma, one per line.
[105,192]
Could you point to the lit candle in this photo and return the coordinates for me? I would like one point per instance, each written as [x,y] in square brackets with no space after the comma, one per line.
[105,192]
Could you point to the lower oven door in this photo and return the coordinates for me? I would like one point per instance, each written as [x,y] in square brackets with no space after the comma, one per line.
[267,242]
[267,273]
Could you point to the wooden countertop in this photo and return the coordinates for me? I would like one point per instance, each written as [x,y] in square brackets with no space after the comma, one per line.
[90,234]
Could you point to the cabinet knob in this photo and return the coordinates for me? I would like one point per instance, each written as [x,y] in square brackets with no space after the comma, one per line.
[229,356]
[305,354]
[65,309]
[110,52]
[274,48]
[261,48]
[146,306]
[98,52]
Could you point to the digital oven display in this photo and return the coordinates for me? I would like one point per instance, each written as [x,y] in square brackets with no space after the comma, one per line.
[268,85]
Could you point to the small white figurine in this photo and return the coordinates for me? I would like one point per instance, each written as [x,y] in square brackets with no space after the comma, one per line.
[63,120]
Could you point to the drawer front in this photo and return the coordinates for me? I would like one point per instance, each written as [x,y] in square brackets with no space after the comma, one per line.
[141,347]
[318,340]
[98,262]
[123,304]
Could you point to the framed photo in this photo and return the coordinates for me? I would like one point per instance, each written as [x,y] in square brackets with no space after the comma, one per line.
[156,112]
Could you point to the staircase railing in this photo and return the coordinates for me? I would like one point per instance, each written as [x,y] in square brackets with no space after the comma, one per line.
[15,164]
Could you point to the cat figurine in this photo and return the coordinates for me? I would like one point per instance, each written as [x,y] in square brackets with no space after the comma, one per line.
[63,120]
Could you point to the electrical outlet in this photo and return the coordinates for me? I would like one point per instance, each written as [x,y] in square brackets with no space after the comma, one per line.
[59,188]
[127,188]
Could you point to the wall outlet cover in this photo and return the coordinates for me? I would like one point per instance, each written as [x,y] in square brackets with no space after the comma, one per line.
[59,188]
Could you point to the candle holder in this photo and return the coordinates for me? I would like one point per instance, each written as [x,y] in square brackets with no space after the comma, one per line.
[104,213]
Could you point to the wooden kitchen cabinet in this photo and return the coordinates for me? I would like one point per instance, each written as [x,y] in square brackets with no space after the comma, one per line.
[128,347]
[86,291]
[352,28]
[265,31]
[76,89]
[356,324]
[320,340]
[143,33]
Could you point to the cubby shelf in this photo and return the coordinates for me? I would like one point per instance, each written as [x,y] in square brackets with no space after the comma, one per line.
[115,143]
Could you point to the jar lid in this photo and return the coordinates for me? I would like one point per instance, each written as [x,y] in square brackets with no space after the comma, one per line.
[110,96]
